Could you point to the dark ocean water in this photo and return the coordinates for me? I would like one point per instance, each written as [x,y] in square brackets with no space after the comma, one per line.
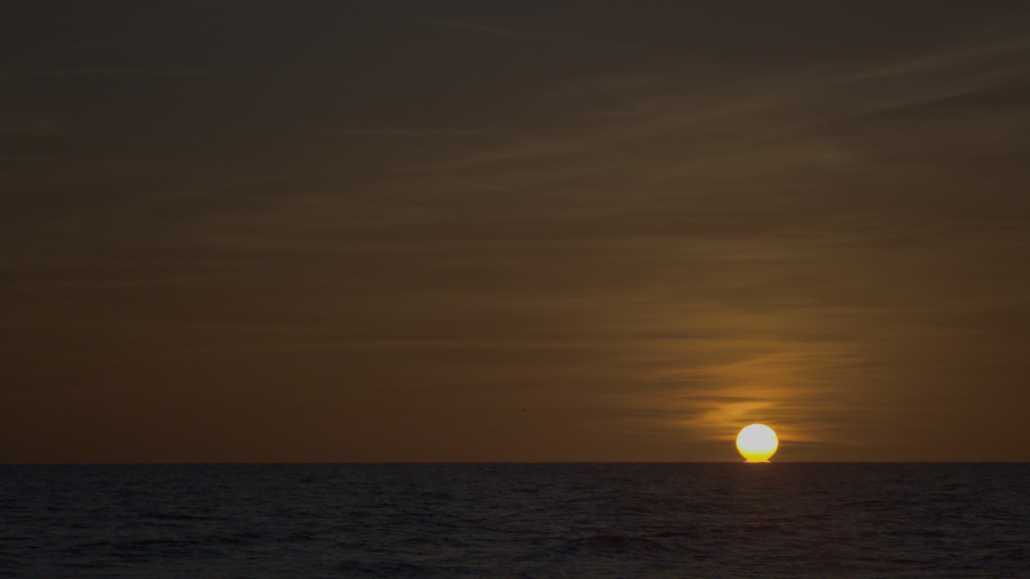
[516,520]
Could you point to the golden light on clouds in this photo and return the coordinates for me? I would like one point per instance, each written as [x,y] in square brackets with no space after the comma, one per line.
[647,228]
[759,381]
[757,443]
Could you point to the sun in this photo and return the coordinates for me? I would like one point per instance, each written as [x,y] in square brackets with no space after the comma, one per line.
[757,443]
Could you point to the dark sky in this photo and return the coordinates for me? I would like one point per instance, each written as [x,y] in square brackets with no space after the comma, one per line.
[521,231]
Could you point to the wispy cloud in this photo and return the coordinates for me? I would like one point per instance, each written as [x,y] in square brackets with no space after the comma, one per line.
[666,255]
[32,126]
[101,72]
[535,35]
[404,133]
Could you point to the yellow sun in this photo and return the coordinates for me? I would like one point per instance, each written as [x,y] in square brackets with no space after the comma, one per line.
[757,443]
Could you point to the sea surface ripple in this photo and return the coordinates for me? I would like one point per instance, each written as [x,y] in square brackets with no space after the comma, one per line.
[582,520]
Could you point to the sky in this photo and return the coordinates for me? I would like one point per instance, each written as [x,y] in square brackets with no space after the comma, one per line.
[269,231]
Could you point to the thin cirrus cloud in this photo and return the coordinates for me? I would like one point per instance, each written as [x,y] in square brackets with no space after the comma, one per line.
[100,72]
[741,262]
[533,35]
[402,132]
[645,258]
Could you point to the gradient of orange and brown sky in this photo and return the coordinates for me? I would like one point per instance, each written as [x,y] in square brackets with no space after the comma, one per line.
[523,231]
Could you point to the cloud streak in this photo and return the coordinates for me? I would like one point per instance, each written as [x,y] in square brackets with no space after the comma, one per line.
[534,35]
[647,259]
[101,72]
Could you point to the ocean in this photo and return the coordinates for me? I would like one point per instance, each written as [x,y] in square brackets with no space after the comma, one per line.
[577,520]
